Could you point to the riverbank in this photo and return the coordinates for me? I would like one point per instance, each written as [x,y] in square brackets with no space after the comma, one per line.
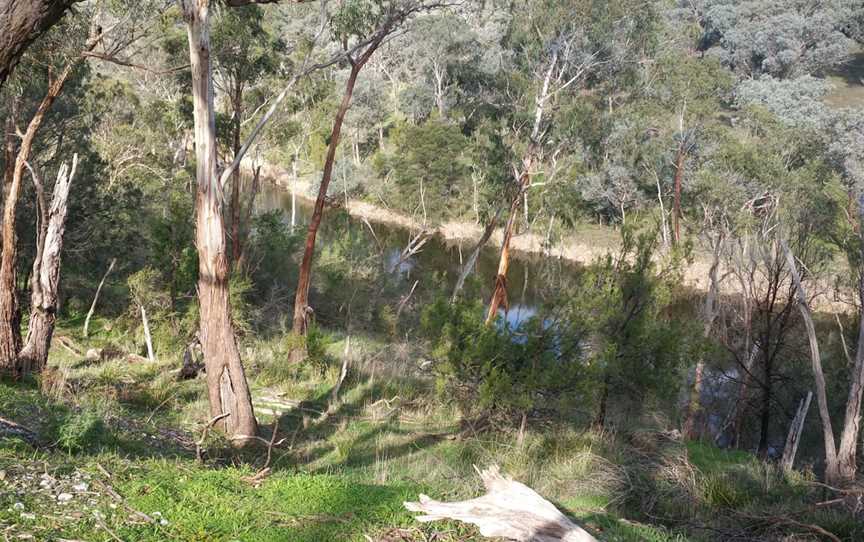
[583,246]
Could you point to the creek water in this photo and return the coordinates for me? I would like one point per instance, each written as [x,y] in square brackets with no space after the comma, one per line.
[531,280]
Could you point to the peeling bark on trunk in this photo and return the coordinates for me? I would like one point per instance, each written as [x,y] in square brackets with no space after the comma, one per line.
[227,388]
[509,510]
[499,295]
[10,317]
[45,280]
[523,178]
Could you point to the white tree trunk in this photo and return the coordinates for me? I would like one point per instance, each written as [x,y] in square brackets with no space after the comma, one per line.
[147,337]
[96,296]
[793,439]
[46,272]
[832,474]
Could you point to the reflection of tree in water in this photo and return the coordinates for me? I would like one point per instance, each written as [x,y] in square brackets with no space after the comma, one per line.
[533,280]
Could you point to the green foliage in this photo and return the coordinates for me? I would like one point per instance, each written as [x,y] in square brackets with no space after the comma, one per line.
[491,368]
[431,160]
[82,431]
[626,304]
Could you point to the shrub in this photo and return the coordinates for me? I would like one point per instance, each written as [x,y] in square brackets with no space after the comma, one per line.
[82,431]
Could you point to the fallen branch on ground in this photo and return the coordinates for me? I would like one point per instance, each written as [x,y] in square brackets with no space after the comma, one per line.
[199,455]
[509,509]
[8,427]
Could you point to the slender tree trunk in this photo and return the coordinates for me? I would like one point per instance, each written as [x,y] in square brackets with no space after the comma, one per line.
[96,296]
[227,388]
[236,243]
[471,262]
[9,148]
[10,316]
[499,294]
[46,272]
[832,467]
[765,410]
[846,455]
[676,204]
[301,298]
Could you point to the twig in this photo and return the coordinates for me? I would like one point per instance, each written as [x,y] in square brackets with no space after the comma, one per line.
[117,497]
[107,530]
[198,454]
[160,405]
[255,437]
[68,344]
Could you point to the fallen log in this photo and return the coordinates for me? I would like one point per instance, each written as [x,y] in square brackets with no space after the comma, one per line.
[509,509]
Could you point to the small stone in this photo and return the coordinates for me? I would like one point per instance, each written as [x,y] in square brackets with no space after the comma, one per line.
[64,497]
[18,506]
[80,487]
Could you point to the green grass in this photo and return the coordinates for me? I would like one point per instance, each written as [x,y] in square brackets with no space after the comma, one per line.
[345,476]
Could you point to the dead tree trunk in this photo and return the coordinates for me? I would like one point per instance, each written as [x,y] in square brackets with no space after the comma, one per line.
[793,439]
[227,388]
[301,298]
[10,317]
[832,468]
[96,296]
[509,509]
[523,181]
[45,279]
[499,294]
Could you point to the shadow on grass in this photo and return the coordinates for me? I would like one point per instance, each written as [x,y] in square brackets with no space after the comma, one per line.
[315,432]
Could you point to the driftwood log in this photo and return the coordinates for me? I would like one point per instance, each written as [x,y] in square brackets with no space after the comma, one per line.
[509,509]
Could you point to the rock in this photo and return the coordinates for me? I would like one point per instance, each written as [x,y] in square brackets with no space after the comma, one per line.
[93,354]
[64,497]
[81,487]
[18,506]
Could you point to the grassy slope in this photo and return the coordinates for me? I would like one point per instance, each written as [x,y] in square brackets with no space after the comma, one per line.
[340,478]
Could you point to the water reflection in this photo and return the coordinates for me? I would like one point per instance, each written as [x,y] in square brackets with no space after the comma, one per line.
[532,279]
